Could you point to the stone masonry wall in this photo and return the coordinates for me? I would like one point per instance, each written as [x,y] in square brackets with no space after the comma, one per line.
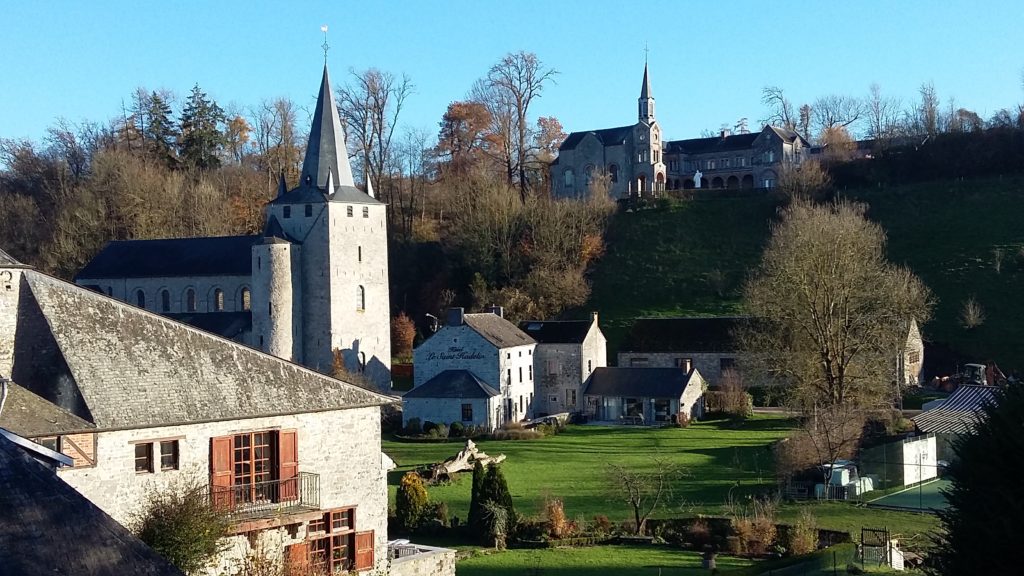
[10,294]
[124,289]
[709,364]
[342,446]
[433,562]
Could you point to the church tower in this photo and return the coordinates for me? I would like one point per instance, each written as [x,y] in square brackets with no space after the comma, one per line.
[646,102]
[649,169]
[322,269]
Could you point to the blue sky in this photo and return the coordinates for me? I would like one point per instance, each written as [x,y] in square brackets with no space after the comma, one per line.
[709,60]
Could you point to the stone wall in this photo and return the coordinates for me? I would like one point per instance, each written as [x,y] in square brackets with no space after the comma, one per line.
[709,364]
[448,410]
[430,562]
[558,369]
[277,287]
[11,285]
[342,446]
[456,348]
[125,289]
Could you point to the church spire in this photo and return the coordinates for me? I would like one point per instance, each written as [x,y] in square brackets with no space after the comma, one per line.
[646,101]
[326,152]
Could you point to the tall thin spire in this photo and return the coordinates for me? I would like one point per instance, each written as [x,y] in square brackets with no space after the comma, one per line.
[645,107]
[326,152]
[645,89]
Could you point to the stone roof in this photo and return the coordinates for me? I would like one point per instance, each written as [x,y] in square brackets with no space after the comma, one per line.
[639,382]
[175,257]
[8,260]
[48,528]
[31,416]
[453,384]
[607,137]
[682,334]
[497,330]
[557,331]
[712,145]
[224,324]
[118,366]
[959,412]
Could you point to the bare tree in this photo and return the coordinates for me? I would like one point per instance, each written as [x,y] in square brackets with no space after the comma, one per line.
[516,81]
[806,180]
[780,109]
[643,490]
[882,114]
[927,119]
[972,314]
[276,139]
[836,111]
[832,312]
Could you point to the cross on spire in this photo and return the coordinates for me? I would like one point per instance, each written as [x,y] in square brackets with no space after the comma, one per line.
[325,45]
[646,50]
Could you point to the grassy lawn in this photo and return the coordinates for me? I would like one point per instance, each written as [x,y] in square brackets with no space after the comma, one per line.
[668,262]
[715,457]
[619,560]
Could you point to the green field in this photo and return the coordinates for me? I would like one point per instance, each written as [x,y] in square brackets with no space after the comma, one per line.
[691,259]
[619,560]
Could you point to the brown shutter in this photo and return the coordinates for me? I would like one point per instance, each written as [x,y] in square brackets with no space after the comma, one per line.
[364,550]
[288,464]
[221,472]
[296,559]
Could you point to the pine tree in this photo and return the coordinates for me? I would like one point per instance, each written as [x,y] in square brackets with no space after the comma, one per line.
[475,519]
[160,133]
[495,489]
[202,140]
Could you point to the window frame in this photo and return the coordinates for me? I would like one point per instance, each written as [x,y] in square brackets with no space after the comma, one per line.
[366,211]
[146,458]
[175,454]
[349,211]
[467,412]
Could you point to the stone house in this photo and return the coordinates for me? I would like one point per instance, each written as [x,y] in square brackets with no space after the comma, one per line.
[644,395]
[140,402]
[567,353]
[314,281]
[704,344]
[476,354]
[638,162]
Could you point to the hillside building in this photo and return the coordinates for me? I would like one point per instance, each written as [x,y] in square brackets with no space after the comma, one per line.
[645,396]
[315,280]
[639,162]
[567,353]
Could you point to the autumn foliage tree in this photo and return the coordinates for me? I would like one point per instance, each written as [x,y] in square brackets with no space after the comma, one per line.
[403,331]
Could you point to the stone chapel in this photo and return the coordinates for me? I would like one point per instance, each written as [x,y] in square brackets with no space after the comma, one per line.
[315,280]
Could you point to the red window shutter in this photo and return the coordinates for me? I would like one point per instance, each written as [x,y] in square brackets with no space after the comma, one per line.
[364,550]
[288,464]
[221,472]
[297,559]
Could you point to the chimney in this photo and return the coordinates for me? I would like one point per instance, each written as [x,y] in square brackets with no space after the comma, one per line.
[456,317]
[498,311]
[593,317]
[726,133]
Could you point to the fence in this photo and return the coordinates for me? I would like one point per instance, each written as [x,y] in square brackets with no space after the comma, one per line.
[254,499]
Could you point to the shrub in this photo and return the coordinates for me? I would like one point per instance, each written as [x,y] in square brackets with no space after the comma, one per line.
[181,524]
[554,512]
[428,426]
[602,525]
[438,431]
[438,512]
[403,331]
[413,427]
[736,402]
[698,533]
[803,536]
[456,430]
[742,532]
[410,501]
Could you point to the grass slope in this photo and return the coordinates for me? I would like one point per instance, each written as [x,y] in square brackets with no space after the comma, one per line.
[664,262]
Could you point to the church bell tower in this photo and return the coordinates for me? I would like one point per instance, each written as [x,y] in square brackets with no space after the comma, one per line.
[646,101]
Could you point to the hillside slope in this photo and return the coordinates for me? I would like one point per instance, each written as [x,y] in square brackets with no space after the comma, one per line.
[691,258]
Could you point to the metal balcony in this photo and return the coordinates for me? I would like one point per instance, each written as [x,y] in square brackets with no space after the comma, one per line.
[267,499]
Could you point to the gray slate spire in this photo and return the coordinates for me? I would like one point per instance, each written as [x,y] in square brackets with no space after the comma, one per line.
[645,90]
[326,152]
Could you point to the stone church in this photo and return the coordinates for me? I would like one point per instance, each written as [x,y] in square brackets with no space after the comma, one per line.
[639,162]
[315,280]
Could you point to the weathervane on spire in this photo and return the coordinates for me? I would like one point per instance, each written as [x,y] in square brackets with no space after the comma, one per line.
[646,50]
[325,46]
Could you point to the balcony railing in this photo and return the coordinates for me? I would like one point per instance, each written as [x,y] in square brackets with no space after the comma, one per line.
[270,498]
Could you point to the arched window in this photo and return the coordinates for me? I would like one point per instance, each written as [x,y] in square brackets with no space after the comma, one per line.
[218,300]
[588,175]
[165,301]
[570,178]
[360,298]
[246,299]
[190,300]
[140,298]
[613,172]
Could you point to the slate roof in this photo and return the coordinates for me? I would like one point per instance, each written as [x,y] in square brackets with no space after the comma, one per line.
[48,528]
[638,382]
[607,137]
[453,384]
[31,416]
[645,89]
[326,150]
[557,331]
[224,324]
[213,256]
[119,367]
[959,413]
[497,330]
[682,334]
[714,144]
[8,260]
[309,194]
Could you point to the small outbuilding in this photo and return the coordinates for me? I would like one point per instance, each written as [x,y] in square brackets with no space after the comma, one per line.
[454,396]
[645,395]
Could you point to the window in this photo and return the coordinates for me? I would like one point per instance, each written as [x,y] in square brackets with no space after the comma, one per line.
[359,253]
[287,211]
[613,172]
[588,175]
[140,298]
[165,301]
[673,165]
[570,397]
[190,300]
[725,163]
[168,455]
[53,443]
[741,161]
[520,374]
[337,546]
[467,412]
[638,361]
[218,300]
[711,164]
[366,211]
[529,370]
[254,467]
[569,178]
[914,357]
[246,299]
[769,157]
[508,373]
[590,366]
[684,363]
[552,367]
[309,210]
[110,290]
[144,458]
[348,211]
[769,183]
[360,298]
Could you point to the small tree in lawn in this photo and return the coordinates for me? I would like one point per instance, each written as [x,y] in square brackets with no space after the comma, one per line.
[643,490]
[493,492]
[181,524]
[475,519]
[410,501]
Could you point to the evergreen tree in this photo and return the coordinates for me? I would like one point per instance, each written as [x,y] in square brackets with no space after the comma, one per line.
[475,520]
[202,139]
[160,133]
[495,489]
[410,501]
[982,526]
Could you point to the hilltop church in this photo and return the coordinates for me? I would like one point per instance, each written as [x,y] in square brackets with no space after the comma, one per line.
[315,280]
[639,162]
